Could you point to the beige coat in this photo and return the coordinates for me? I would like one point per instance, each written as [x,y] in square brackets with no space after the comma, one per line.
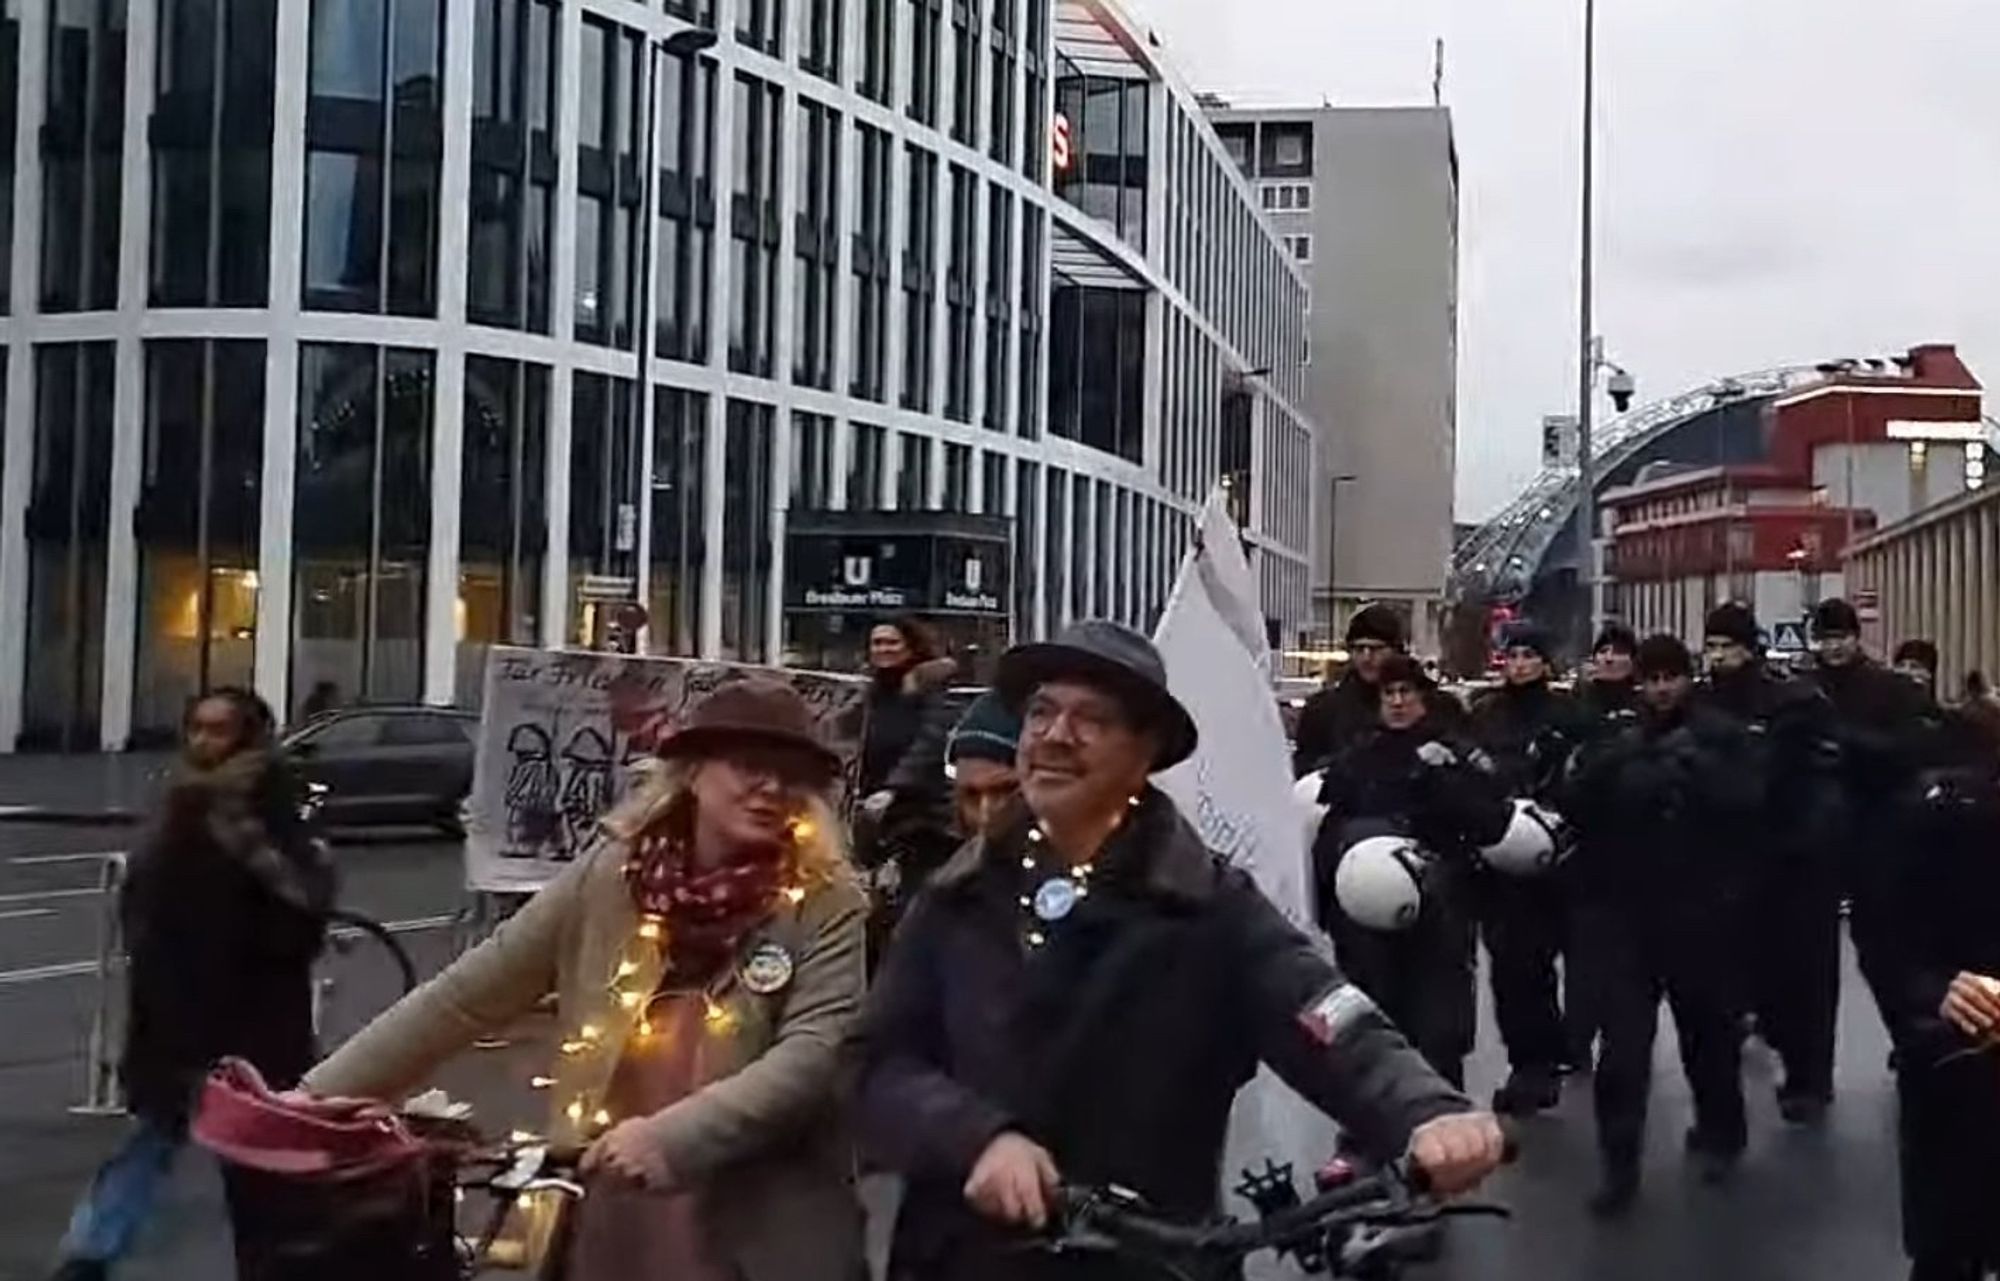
[761,1135]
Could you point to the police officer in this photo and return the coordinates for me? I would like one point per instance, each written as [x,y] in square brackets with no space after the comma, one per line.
[1791,925]
[1529,730]
[1411,775]
[1339,713]
[1666,809]
[1610,686]
[1937,965]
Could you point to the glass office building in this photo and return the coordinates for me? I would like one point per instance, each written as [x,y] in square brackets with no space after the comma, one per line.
[345,339]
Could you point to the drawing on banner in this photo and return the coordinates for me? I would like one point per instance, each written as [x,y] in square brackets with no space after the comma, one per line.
[560,731]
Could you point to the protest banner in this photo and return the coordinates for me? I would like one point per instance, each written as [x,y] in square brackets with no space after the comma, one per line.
[1236,790]
[560,729]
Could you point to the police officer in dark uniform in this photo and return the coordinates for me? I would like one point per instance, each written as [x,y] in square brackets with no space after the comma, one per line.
[1529,730]
[1412,776]
[1791,940]
[1610,686]
[1666,809]
[1886,726]
[1341,712]
[1936,963]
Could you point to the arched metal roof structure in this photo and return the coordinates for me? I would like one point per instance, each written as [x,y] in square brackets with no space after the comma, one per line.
[1502,558]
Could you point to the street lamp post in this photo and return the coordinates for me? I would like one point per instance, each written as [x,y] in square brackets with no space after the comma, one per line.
[1586,355]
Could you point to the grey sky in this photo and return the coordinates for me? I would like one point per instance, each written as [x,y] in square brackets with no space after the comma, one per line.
[1781,180]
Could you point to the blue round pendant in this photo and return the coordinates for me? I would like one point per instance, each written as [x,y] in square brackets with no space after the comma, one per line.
[1056,898]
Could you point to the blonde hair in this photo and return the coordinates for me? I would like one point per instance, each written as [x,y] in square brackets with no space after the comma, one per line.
[663,791]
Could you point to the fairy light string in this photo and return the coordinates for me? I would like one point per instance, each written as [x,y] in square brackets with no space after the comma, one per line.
[1058,894]
[589,1053]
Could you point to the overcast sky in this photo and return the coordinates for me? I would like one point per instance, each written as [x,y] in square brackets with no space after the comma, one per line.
[1780,180]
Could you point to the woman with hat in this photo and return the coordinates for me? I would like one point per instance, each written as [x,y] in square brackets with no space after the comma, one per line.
[707,957]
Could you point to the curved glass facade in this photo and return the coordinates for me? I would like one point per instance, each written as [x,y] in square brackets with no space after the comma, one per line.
[345,339]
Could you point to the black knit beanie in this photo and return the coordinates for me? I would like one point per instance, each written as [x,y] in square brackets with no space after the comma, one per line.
[1733,621]
[1376,623]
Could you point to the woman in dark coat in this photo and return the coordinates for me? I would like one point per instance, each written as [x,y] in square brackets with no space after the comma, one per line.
[223,914]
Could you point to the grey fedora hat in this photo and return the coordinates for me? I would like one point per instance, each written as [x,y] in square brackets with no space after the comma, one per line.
[1111,657]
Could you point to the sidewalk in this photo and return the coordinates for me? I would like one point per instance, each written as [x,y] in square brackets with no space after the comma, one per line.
[78,787]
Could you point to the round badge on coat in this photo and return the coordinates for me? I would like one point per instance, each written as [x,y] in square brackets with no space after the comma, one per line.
[1055,898]
[767,969]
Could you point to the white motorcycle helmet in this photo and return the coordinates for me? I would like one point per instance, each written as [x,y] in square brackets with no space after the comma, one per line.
[1379,882]
[1305,795]
[1536,841]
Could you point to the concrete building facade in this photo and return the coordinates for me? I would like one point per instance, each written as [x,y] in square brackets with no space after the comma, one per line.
[344,339]
[1935,576]
[1367,200]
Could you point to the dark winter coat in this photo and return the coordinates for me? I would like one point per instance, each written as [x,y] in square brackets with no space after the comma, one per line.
[1529,731]
[1604,700]
[1942,925]
[223,915]
[1338,714]
[1667,808]
[1795,753]
[1118,1046]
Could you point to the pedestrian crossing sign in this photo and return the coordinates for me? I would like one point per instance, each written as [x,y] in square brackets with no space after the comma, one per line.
[1789,638]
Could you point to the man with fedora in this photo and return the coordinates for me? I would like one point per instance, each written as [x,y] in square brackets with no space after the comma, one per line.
[1080,993]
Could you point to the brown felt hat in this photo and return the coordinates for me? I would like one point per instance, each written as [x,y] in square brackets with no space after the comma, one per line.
[752,711]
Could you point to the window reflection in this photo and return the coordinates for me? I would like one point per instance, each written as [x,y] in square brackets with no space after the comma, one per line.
[196,526]
[343,230]
[68,529]
[746,532]
[603,491]
[679,541]
[81,138]
[513,175]
[503,519]
[361,521]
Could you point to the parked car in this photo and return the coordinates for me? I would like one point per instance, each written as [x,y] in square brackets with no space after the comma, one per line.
[387,764]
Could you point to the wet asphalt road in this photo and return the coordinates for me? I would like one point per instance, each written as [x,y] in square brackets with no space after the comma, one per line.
[1808,1205]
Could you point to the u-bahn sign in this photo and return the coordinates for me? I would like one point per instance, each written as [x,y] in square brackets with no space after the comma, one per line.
[881,562]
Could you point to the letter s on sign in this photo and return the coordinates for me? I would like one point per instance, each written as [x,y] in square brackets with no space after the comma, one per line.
[1061,151]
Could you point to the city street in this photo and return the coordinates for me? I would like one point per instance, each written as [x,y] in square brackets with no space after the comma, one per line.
[1807,1207]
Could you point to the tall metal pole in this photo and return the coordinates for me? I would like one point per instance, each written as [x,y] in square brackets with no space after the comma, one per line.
[1586,356]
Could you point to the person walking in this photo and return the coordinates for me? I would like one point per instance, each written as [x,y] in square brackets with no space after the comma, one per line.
[707,955]
[1338,713]
[1412,776]
[1031,1025]
[980,755]
[1668,813]
[223,913]
[1529,731]
[903,822]
[1791,942]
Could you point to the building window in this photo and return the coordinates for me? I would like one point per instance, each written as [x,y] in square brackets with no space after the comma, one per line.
[503,513]
[83,135]
[878,50]
[1028,351]
[679,541]
[699,12]
[965,98]
[926,22]
[746,533]
[603,491]
[871,253]
[753,226]
[1097,361]
[999,302]
[68,531]
[1035,90]
[913,479]
[373,139]
[812,462]
[1108,124]
[1300,247]
[1082,548]
[961,295]
[761,25]
[1285,151]
[1235,139]
[1027,545]
[957,477]
[816,240]
[1000,126]
[211,135]
[993,483]
[609,195]
[821,56]
[196,525]
[919,278]
[361,522]
[1055,554]
[866,461]
[682,265]
[513,182]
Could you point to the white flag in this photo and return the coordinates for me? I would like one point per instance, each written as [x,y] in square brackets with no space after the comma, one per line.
[1237,790]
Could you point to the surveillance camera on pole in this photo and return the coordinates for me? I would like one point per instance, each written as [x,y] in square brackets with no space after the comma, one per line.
[1622,387]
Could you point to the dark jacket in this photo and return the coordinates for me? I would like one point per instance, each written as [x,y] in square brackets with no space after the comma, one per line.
[1794,752]
[1340,713]
[1667,811]
[1942,925]
[1084,1044]
[1529,731]
[1604,700]
[223,914]
[1453,810]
